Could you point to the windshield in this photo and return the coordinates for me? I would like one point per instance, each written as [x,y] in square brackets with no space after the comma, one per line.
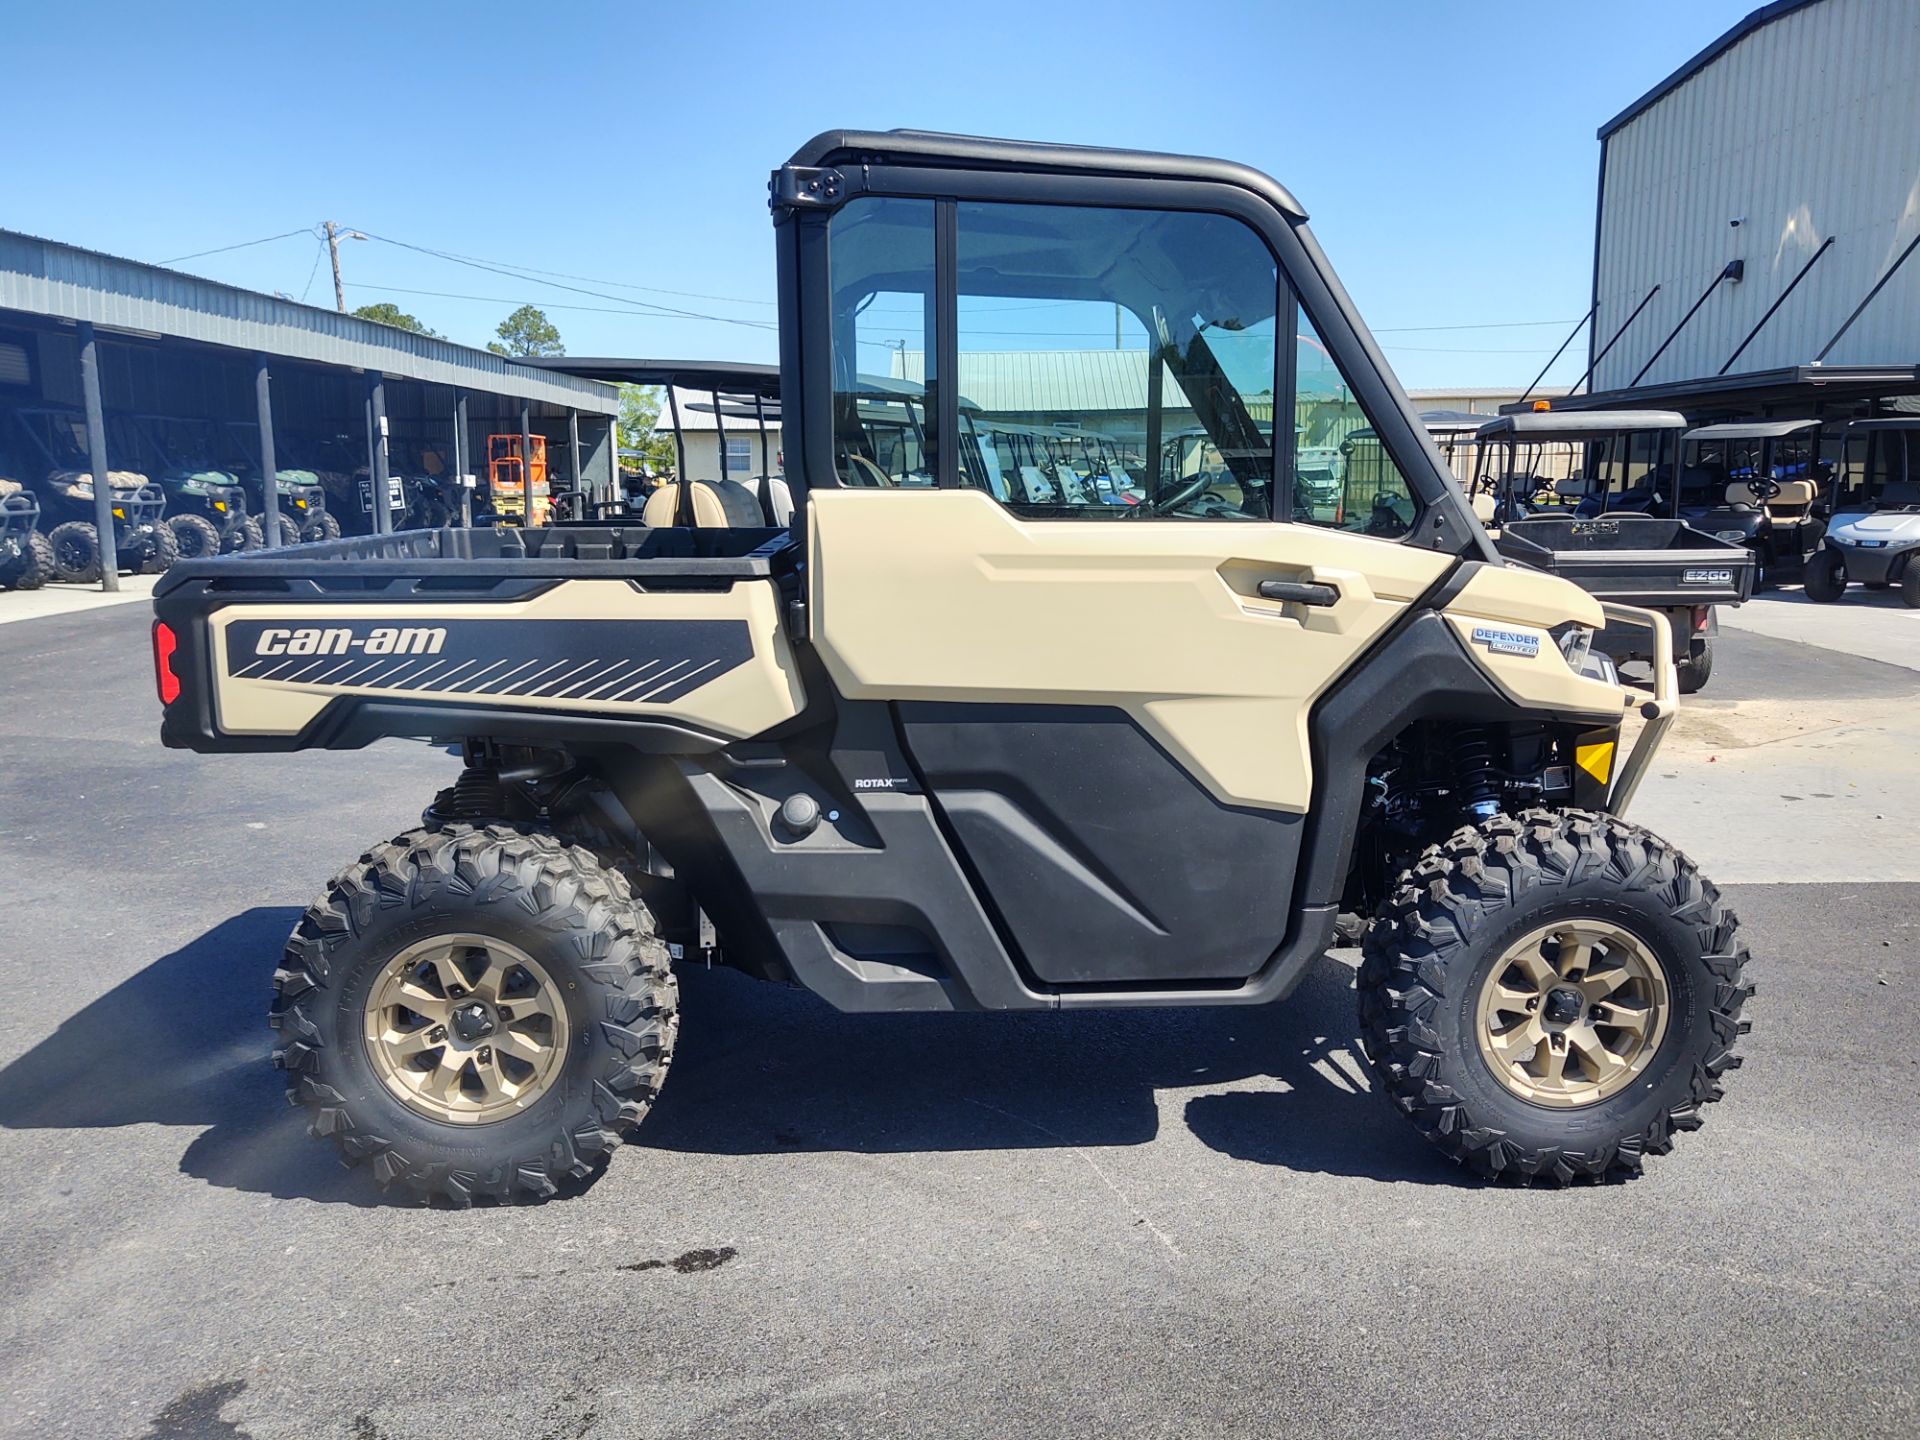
[1882,471]
[1628,473]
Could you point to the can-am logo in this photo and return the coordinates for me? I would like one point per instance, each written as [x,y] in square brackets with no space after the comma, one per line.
[1706,577]
[339,640]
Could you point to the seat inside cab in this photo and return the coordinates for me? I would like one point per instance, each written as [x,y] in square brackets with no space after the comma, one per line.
[719,504]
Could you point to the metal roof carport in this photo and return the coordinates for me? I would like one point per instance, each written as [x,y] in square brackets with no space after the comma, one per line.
[111,336]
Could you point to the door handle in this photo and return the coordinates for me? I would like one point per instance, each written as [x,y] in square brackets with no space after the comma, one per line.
[1301,592]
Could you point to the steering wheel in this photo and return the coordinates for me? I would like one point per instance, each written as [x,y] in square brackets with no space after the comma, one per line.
[874,474]
[1763,487]
[1174,499]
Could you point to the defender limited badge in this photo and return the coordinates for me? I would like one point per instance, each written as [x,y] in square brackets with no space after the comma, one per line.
[1506,642]
[1706,577]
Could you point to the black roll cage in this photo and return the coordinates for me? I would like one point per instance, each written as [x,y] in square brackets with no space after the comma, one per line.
[839,166]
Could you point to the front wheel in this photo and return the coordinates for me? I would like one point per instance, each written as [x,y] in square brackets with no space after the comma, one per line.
[475,1012]
[321,526]
[1910,584]
[194,536]
[76,552]
[32,567]
[158,549]
[1549,997]
[1826,576]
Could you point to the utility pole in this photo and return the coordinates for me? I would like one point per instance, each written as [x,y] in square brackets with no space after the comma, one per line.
[333,250]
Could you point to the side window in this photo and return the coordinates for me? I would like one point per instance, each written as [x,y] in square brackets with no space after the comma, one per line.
[1114,363]
[1342,474]
[881,259]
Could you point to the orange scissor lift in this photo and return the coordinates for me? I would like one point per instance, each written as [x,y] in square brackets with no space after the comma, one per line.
[517,487]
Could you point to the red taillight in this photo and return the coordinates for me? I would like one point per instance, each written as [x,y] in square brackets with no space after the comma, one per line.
[163,676]
[1700,613]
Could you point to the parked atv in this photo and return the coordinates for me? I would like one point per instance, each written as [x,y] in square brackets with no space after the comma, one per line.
[1874,535]
[303,504]
[26,556]
[208,515]
[142,541]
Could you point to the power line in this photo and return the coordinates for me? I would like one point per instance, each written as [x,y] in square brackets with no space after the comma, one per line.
[620,309]
[588,279]
[265,239]
[512,274]
[1491,325]
[319,249]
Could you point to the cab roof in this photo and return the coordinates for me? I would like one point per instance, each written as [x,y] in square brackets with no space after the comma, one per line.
[932,148]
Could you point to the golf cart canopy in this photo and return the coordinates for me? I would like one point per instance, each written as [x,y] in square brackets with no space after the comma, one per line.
[1752,430]
[1450,422]
[1892,422]
[1545,425]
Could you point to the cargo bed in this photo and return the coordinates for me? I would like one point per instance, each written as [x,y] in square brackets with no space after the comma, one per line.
[581,629]
[1640,560]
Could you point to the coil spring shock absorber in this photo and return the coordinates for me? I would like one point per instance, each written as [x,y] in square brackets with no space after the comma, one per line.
[476,795]
[1474,774]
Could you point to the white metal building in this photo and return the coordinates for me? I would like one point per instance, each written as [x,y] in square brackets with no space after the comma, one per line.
[1776,171]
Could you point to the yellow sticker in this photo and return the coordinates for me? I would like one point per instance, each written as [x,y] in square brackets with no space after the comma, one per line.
[1595,759]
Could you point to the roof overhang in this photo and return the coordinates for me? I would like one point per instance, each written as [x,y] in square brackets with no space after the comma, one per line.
[67,284]
[729,377]
[1759,387]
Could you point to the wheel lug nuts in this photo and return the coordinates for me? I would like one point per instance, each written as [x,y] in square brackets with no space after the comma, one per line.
[438,1034]
[1533,1003]
[506,1012]
[485,1055]
[454,992]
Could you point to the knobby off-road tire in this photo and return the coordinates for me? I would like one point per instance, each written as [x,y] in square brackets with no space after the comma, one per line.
[32,567]
[247,535]
[76,552]
[593,945]
[320,527]
[194,536]
[1441,946]
[159,551]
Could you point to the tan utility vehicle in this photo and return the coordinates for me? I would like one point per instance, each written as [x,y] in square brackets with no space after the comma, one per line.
[932,749]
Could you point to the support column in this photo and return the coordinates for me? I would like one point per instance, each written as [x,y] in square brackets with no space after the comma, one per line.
[573,462]
[526,463]
[97,458]
[460,465]
[269,471]
[377,437]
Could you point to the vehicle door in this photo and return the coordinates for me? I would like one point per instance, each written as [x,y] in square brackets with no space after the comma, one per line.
[1108,704]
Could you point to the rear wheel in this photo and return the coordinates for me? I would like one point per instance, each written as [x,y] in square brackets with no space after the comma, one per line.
[1549,997]
[194,536]
[76,552]
[1692,670]
[288,531]
[475,1013]
[1826,577]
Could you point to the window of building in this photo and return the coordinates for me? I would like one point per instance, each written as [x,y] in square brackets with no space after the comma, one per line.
[741,459]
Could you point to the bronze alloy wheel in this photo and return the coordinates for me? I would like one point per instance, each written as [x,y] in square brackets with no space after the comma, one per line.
[1572,1013]
[465,1029]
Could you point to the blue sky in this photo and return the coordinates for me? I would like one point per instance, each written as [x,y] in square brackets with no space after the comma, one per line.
[1445,151]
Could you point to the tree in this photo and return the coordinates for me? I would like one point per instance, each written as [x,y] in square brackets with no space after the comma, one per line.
[527,331]
[639,428]
[386,312]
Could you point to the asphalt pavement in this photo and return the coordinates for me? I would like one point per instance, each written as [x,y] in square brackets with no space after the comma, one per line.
[1142,1223]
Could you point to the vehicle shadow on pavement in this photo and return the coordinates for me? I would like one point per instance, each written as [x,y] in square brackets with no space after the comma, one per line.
[185,1042]
[765,1069]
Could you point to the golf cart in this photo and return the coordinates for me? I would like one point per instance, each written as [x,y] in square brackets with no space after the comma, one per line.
[142,541]
[1875,530]
[26,556]
[1757,483]
[928,750]
[1588,495]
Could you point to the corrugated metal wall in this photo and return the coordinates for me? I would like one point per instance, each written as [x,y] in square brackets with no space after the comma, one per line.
[1807,128]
